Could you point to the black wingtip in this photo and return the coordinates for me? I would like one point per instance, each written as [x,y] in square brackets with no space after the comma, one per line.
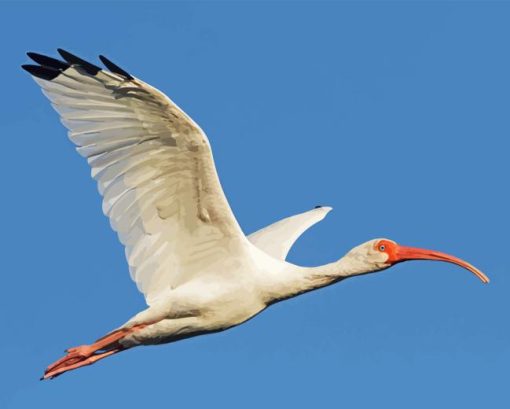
[50,62]
[318,207]
[115,68]
[45,73]
[73,59]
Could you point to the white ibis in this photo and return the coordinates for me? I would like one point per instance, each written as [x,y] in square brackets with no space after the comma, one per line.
[186,252]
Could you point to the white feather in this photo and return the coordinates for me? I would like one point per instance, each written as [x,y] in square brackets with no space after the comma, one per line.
[277,238]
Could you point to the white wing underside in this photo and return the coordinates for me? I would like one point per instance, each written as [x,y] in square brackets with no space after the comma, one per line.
[277,238]
[155,171]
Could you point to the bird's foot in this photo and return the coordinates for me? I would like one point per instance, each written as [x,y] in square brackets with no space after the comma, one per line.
[75,360]
[88,354]
[74,355]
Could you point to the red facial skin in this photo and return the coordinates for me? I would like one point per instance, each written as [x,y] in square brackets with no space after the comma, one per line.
[397,254]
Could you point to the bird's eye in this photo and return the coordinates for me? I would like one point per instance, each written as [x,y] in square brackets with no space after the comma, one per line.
[382,247]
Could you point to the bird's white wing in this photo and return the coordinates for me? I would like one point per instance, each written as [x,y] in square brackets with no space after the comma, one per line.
[153,166]
[277,238]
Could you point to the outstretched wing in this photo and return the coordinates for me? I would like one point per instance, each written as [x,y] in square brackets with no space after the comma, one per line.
[277,238]
[153,166]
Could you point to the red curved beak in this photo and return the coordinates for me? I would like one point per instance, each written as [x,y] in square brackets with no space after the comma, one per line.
[404,253]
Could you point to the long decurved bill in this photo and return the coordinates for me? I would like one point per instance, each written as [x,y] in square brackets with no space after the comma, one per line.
[404,253]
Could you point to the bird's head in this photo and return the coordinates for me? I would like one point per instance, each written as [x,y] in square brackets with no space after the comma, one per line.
[379,254]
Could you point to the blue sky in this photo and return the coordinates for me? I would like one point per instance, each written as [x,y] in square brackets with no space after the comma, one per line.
[396,114]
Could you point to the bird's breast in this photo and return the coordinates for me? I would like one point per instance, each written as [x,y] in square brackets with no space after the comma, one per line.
[224,304]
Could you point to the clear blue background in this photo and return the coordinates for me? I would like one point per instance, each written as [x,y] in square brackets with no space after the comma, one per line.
[395,114]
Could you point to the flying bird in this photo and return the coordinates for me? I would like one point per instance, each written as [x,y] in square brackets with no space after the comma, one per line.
[198,271]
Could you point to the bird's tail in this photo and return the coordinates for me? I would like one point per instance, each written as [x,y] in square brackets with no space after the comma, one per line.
[88,354]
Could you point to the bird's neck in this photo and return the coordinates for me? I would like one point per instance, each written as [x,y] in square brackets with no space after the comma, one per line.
[295,280]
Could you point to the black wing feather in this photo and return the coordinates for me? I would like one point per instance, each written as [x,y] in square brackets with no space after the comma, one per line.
[73,59]
[46,73]
[114,67]
[50,62]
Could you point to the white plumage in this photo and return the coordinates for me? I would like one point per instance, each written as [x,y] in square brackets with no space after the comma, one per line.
[277,239]
[154,168]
